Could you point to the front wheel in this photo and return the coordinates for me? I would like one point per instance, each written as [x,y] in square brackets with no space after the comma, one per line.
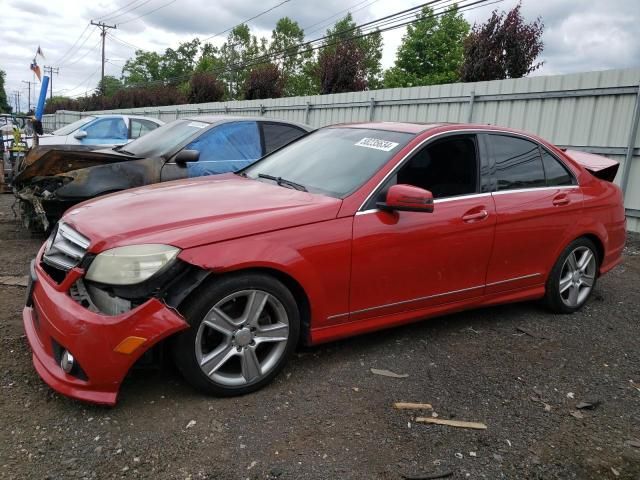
[573,277]
[244,328]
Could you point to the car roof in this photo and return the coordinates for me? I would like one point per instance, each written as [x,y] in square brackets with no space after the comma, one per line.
[404,127]
[235,118]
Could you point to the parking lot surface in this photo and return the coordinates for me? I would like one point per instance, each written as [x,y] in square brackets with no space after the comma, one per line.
[517,368]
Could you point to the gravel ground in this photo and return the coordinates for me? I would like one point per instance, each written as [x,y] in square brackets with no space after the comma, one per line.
[516,368]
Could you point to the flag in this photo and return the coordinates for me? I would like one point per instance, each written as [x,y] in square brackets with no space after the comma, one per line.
[39,52]
[36,68]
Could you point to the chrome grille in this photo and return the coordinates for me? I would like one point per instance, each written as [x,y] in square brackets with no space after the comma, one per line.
[65,248]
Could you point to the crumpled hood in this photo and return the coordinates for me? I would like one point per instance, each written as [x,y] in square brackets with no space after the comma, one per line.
[53,160]
[188,213]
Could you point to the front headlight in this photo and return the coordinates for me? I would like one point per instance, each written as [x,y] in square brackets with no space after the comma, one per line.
[131,264]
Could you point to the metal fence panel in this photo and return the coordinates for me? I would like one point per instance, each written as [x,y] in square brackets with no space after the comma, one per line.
[592,111]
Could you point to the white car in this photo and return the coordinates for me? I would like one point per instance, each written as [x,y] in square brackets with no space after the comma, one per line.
[102,130]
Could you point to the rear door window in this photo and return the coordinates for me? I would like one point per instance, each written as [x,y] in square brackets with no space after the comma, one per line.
[556,173]
[139,127]
[518,163]
[277,135]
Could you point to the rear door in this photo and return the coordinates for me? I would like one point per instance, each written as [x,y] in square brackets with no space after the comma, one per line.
[537,201]
[412,260]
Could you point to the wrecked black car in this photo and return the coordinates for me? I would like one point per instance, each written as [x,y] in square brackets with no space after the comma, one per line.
[53,178]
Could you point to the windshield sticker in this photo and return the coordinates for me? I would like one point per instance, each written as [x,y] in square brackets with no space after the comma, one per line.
[377,144]
[197,124]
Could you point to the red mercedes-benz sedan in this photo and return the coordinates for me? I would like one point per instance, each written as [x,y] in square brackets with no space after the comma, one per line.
[350,229]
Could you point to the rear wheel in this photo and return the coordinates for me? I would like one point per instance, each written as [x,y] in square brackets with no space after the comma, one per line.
[573,277]
[243,330]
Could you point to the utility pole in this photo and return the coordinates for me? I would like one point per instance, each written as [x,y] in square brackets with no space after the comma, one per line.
[103,26]
[16,96]
[29,96]
[51,70]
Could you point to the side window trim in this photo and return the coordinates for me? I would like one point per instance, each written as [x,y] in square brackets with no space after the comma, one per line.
[370,203]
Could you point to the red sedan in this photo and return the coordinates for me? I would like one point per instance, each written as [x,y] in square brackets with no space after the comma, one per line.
[350,229]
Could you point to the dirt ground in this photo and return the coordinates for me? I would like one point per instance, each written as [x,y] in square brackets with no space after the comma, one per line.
[517,368]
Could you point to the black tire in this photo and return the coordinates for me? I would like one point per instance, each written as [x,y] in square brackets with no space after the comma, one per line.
[553,298]
[202,302]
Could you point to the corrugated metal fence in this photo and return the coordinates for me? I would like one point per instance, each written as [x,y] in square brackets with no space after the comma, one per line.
[596,111]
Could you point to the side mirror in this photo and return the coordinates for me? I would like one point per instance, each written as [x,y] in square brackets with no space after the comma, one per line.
[407,198]
[80,134]
[186,156]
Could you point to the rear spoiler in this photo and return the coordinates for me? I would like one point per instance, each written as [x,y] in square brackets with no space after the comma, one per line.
[602,167]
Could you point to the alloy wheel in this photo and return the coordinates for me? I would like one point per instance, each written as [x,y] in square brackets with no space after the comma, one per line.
[242,338]
[577,276]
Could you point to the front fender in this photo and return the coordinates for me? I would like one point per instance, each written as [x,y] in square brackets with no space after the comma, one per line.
[317,256]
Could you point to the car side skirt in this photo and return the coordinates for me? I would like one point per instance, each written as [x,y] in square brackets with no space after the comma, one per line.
[351,328]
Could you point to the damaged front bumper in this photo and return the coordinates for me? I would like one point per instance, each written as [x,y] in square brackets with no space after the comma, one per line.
[103,347]
[39,206]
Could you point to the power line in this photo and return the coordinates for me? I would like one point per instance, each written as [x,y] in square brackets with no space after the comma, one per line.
[64,61]
[52,70]
[87,52]
[124,42]
[74,43]
[306,29]
[112,15]
[149,12]
[247,20]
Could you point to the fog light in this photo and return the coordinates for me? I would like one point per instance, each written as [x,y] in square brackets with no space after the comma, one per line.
[67,361]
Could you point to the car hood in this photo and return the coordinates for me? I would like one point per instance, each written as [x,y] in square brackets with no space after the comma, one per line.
[53,160]
[188,213]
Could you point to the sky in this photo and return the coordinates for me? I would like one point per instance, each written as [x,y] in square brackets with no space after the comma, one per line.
[579,35]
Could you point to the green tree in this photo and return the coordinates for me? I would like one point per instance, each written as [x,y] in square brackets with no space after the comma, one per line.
[111,85]
[290,57]
[4,105]
[177,65]
[143,68]
[236,54]
[371,47]
[431,51]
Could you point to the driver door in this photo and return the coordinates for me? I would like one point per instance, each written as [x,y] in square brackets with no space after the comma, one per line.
[224,148]
[406,260]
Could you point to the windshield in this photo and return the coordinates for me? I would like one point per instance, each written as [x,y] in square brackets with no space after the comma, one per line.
[72,127]
[331,161]
[165,139]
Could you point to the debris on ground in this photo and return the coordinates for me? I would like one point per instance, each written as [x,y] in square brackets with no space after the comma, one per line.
[588,405]
[388,373]
[577,414]
[191,423]
[15,280]
[427,476]
[452,423]
[528,332]
[412,406]
[632,443]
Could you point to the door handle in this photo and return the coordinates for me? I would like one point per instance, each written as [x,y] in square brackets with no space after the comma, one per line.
[561,200]
[472,217]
